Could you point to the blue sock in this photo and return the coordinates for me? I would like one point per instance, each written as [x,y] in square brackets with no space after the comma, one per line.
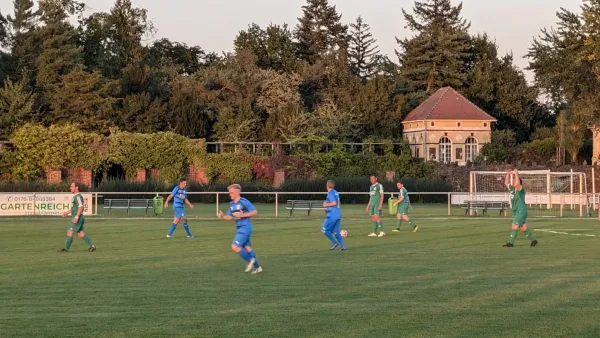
[253,255]
[330,237]
[245,256]
[173,227]
[340,239]
[187,229]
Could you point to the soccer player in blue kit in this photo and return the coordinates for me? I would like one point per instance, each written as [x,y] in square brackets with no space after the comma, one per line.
[331,225]
[241,210]
[179,196]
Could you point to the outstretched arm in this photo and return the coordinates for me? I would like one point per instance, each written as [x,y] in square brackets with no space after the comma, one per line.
[516,177]
[507,178]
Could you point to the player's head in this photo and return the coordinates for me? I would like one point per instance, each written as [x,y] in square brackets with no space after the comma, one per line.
[373,179]
[330,185]
[399,184]
[234,191]
[182,183]
[74,187]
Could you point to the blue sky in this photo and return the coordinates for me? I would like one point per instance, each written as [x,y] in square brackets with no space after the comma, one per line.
[213,24]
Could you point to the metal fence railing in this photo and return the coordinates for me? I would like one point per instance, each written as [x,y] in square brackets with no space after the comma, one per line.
[273,203]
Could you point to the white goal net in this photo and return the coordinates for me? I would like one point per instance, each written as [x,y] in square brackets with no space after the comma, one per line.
[548,194]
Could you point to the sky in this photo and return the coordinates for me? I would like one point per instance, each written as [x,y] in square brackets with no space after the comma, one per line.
[213,24]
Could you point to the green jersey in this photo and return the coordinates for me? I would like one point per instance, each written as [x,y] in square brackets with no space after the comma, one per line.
[404,193]
[76,203]
[376,192]
[517,198]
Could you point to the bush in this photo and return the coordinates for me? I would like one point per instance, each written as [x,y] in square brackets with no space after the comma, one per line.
[538,151]
[37,186]
[229,167]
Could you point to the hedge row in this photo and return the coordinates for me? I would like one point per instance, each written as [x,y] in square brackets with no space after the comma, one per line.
[39,149]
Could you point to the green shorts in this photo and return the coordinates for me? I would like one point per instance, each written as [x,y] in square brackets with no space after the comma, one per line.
[76,228]
[520,218]
[403,209]
[374,211]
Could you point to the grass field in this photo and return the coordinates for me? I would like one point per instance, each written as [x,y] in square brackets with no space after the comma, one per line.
[450,279]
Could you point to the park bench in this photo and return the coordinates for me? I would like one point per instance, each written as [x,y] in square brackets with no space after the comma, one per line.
[128,204]
[304,206]
[484,206]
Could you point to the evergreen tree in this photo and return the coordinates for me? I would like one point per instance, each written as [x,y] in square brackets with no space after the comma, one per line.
[87,99]
[126,26]
[143,114]
[16,107]
[60,53]
[320,31]
[273,47]
[187,60]
[435,56]
[363,53]
[26,43]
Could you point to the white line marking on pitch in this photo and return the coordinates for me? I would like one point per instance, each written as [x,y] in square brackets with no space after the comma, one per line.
[563,233]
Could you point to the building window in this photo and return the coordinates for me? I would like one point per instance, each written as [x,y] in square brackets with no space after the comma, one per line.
[445,150]
[458,124]
[417,152]
[485,124]
[459,154]
[471,149]
[432,153]
[432,124]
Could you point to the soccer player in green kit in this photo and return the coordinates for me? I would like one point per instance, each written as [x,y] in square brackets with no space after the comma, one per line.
[77,220]
[519,208]
[375,205]
[403,203]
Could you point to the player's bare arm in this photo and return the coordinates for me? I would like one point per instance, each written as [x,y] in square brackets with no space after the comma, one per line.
[225,217]
[169,198]
[380,201]
[507,178]
[240,214]
[79,212]
[189,204]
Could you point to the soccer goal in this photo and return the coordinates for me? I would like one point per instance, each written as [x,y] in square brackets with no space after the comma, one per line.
[548,194]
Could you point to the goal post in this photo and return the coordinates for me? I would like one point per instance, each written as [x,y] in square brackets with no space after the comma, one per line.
[548,194]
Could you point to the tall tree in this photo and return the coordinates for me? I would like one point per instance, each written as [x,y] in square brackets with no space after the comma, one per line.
[60,52]
[16,107]
[273,47]
[187,60]
[435,56]
[320,31]
[87,99]
[563,61]
[126,26]
[363,53]
[26,43]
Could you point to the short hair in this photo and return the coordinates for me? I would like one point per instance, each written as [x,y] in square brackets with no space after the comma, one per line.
[520,181]
[400,181]
[373,175]
[75,183]
[331,183]
[235,186]
[183,179]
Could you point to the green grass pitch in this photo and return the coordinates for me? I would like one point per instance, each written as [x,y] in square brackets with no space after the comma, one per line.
[450,279]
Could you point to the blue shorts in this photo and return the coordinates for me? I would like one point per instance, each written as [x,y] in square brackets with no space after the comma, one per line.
[179,213]
[331,225]
[242,240]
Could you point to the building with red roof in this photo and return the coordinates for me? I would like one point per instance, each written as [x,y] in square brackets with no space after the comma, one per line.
[447,128]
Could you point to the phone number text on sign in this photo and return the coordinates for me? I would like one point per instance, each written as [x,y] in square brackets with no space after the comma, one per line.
[40,204]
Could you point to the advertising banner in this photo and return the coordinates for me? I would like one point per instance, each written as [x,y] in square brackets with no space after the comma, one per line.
[40,204]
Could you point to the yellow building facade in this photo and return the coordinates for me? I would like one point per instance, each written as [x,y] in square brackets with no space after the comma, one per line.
[447,128]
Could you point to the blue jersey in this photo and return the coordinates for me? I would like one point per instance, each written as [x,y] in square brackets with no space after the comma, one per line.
[333,212]
[179,197]
[243,205]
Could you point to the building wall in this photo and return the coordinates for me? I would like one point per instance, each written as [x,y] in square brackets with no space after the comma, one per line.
[424,137]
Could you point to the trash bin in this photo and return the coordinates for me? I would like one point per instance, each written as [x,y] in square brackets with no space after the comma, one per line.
[393,209]
[159,202]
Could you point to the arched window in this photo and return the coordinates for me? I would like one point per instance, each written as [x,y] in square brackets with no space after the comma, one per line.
[445,150]
[471,149]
